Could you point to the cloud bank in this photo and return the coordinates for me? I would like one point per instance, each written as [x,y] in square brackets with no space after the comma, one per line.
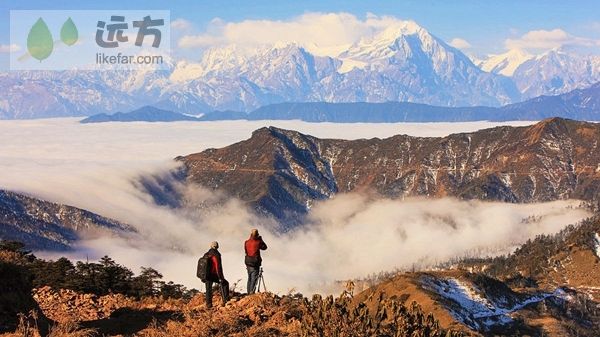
[96,166]
[348,237]
[542,40]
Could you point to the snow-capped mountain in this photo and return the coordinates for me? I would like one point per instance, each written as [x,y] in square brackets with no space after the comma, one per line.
[505,63]
[401,63]
[37,94]
[556,72]
[230,79]
[406,63]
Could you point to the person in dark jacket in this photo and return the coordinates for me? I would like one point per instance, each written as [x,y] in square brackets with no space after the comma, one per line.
[216,275]
[253,261]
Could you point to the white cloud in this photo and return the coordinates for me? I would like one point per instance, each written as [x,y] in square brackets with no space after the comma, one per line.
[548,39]
[314,31]
[181,24]
[326,34]
[460,43]
[9,48]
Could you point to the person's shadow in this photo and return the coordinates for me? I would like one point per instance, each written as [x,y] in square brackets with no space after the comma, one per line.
[127,321]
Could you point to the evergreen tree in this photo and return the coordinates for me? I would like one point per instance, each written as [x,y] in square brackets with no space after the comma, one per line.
[147,283]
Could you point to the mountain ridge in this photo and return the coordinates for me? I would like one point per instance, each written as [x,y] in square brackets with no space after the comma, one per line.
[282,172]
[404,63]
[582,104]
[44,225]
[146,114]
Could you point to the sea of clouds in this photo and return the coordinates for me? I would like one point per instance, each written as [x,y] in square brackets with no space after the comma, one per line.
[96,167]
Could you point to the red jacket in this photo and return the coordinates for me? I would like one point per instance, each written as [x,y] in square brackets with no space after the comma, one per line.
[253,246]
[216,265]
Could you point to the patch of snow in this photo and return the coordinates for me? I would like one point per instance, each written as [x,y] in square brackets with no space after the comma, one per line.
[349,64]
[560,293]
[474,309]
[505,64]
[331,51]
[186,71]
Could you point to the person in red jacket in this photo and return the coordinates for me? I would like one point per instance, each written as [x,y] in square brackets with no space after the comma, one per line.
[216,275]
[253,261]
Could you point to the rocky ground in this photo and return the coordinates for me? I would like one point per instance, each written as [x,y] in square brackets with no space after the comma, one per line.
[262,314]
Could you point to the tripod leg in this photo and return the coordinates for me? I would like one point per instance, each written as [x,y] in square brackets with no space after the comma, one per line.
[263,282]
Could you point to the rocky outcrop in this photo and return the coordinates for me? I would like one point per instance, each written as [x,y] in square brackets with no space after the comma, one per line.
[69,306]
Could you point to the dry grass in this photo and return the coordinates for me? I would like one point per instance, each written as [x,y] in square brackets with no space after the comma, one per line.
[262,314]
[29,326]
[70,329]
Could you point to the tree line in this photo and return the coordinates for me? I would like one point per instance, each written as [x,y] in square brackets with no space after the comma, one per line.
[101,278]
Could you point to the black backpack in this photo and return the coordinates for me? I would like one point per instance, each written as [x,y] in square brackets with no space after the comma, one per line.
[203,269]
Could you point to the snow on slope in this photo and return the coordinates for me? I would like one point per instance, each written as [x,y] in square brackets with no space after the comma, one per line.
[476,309]
[506,63]
[556,72]
[597,244]
[349,64]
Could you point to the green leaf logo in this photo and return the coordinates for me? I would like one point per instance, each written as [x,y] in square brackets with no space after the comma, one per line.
[68,33]
[39,40]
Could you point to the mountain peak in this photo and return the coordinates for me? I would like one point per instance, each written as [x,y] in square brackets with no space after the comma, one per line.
[402,28]
[556,123]
[390,36]
[549,127]
[555,120]
[261,132]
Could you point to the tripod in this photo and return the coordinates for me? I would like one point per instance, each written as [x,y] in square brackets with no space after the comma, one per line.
[261,278]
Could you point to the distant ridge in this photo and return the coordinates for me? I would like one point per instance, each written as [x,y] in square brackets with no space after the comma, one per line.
[580,104]
[388,112]
[143,114]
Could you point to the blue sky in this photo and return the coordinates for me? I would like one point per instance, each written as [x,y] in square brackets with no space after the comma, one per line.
[485,25]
